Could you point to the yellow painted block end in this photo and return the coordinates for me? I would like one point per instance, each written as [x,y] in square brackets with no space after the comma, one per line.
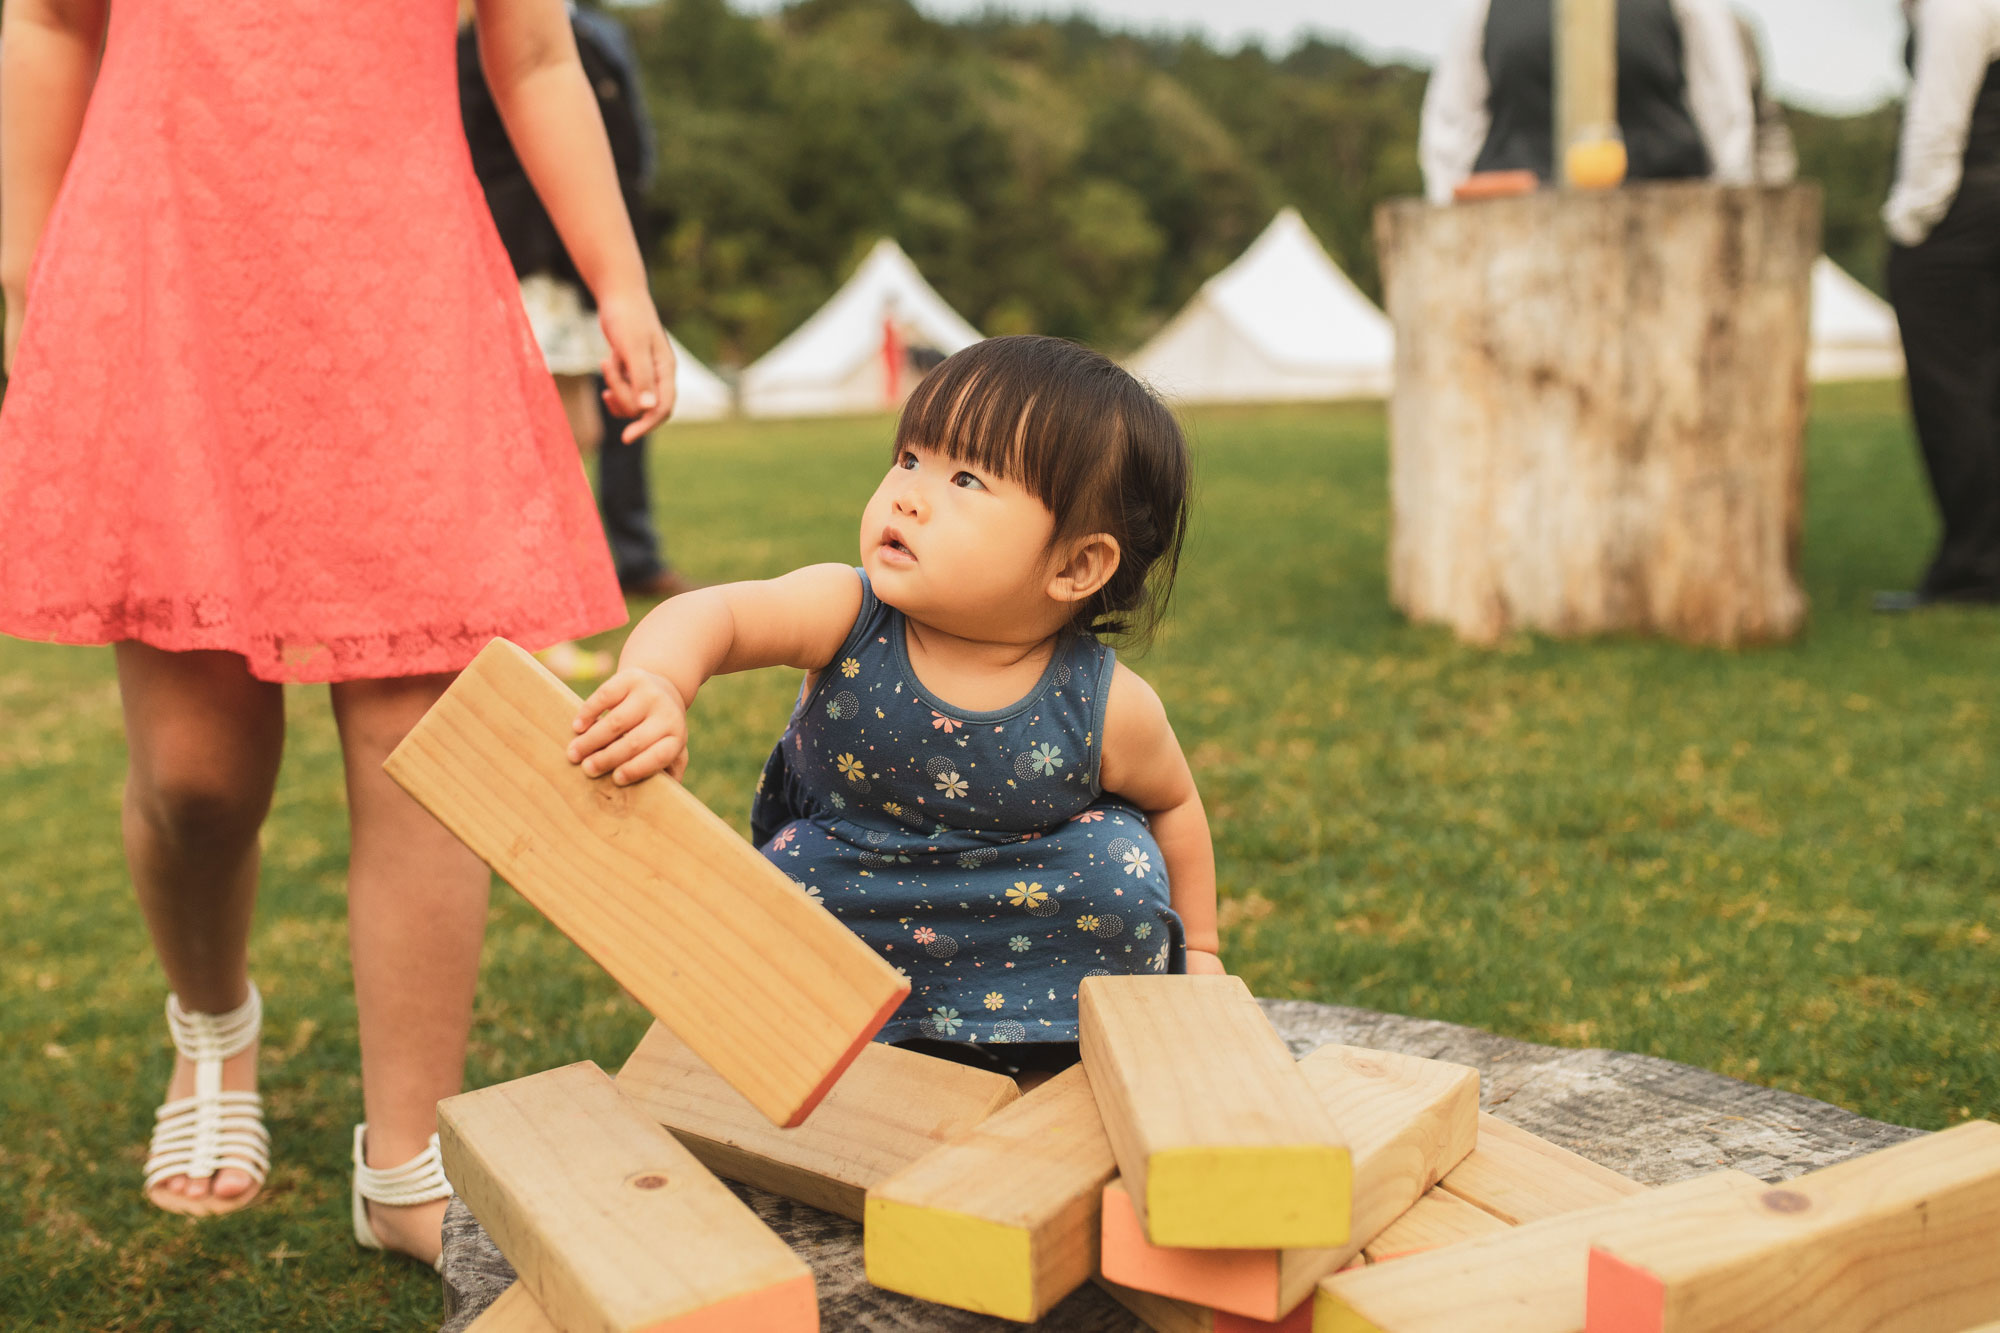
[1333,1315]
[936,1255]
[1290,1197]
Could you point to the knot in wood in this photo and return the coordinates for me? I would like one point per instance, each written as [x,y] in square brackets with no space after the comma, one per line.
[1786,1201]
[647,1180]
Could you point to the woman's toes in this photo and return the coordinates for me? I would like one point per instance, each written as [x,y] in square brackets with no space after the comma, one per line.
[230,1184]
[196,1189]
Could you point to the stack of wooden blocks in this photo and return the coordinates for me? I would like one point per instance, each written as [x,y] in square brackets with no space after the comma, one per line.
[1210,1182]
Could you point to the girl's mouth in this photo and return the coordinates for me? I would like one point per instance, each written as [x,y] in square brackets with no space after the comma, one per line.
[892,545]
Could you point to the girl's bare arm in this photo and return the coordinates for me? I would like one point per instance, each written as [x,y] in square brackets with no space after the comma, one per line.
[529,55]
[635,725]
[49,51]
[1143,763]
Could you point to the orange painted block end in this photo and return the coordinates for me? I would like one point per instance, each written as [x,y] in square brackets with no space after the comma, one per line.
[792,1306]
[1623,1298]
[1231,1282]
[818,1094]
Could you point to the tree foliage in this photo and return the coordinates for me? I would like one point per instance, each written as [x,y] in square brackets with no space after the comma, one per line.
[1047,175]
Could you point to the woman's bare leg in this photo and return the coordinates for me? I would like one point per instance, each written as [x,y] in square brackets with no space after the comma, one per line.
[205,738]
[416,915]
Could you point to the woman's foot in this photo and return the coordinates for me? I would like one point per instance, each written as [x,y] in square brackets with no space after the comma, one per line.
[210,1151]
[417,1231]
[399,1206]
[228,1189]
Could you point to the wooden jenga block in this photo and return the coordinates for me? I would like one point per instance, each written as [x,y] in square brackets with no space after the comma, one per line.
[889,1109]
[765,984]
[1219,1137]
[1163,1314]
[1530,1279]
[612,1226]
[1004,1221]
[1904,1240]
[514,1311]
[1407,1121]
[1520,1178]
[1435,1220]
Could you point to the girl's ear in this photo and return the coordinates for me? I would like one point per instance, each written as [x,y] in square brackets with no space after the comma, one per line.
[1089,566]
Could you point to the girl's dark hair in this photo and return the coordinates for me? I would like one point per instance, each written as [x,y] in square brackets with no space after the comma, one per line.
[1088,440]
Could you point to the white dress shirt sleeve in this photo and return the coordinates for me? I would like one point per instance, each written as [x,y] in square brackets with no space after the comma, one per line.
[1718,88]
[1456,116]
[1955,44]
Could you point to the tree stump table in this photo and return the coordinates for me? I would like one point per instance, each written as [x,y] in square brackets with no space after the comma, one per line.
[1598,422]
[1651,1119]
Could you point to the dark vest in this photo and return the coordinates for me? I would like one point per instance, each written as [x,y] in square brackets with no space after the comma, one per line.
[1661,140]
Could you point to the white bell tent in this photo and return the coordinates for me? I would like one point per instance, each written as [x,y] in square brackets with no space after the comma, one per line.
[853,355]
[1282,323]
[699,393]
[1854,333]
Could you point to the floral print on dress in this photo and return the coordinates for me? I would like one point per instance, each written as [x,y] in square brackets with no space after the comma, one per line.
[973,850]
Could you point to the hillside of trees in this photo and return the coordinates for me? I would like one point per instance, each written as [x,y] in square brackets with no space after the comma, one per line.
[1047,175]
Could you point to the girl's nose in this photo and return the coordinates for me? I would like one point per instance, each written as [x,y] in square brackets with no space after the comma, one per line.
[912,502]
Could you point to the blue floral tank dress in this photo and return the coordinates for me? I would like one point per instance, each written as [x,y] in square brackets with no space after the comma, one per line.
[974,850]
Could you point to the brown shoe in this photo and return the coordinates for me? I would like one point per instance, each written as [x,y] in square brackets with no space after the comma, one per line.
[667,583]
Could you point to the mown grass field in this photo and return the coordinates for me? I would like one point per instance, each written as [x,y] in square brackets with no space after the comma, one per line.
[1776,863]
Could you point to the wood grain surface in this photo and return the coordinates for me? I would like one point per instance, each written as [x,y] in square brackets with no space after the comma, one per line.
[1220,1139]
[1006,1220]
[890,1108]
[763,983]
[612,1226]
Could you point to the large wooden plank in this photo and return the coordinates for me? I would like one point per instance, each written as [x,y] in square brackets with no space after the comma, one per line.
[612,1226]
[890,1108]
[1004,1221]
[1220,1139]
[1530,1279]
[1163,1314]
[1407,1121]
[1904,1240]
[764,984]
[1520,1178]
[1434,1220]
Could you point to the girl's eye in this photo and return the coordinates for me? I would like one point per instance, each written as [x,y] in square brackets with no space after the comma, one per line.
[907,460]
[968,481]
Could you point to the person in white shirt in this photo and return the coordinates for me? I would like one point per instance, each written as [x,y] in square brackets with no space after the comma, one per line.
[1943,216]
[1683,94]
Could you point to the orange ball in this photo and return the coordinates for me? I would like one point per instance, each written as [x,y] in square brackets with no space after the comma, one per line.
[1596,164]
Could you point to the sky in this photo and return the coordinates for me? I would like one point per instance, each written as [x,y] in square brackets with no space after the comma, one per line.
[1827,55]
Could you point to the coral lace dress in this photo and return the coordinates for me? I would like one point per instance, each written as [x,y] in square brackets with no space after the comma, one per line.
[275,392]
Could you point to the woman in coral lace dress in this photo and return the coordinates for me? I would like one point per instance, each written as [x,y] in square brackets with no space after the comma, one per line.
[276,416]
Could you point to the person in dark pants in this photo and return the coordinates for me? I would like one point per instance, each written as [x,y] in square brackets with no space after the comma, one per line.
[625,504]
[1944,279]
[558,304]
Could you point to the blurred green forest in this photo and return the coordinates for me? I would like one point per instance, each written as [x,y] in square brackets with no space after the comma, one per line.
[1048,176]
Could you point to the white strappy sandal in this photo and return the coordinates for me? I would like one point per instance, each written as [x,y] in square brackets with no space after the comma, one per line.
[213,1130]
[419,1180]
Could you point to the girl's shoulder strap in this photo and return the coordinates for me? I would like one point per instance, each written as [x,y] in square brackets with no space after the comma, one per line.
[871,621]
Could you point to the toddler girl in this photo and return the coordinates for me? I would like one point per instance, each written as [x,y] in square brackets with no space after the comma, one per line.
[970,780]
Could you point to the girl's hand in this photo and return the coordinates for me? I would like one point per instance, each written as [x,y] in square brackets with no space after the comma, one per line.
[639,373]
[1201,963]
[634,726]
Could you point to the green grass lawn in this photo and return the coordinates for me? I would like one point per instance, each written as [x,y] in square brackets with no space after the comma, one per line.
[1775,863]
